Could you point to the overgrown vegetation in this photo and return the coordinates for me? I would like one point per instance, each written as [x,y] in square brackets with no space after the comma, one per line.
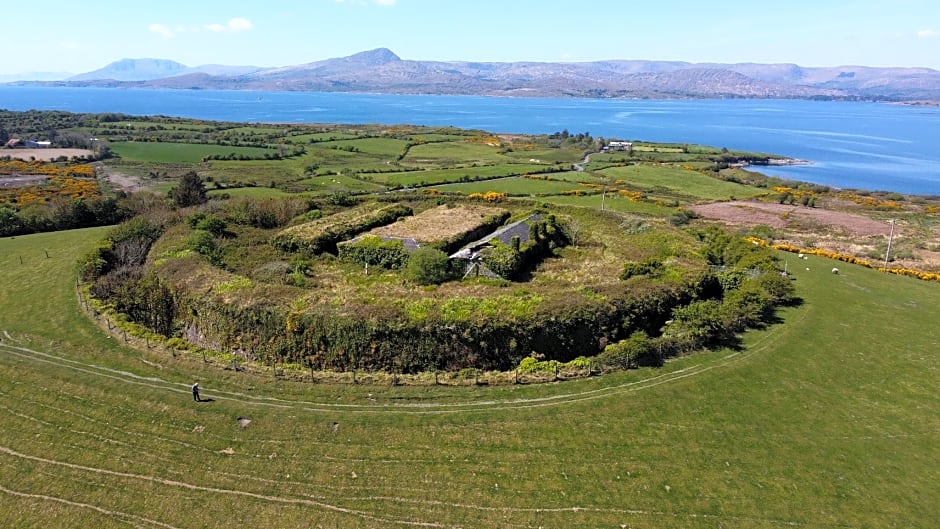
[287,285]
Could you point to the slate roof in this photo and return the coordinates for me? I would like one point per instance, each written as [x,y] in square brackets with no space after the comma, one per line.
[504,235]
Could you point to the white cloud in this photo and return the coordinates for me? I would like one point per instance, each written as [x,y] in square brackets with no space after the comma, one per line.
[162,30]
[68,45]
[240,24]
[385,2]
[928,34]
[234,25]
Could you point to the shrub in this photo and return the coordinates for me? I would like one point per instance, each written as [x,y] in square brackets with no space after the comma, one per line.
[203,243]
[626,354]
[649,267]
[428,266]
[371,250]
[190,191]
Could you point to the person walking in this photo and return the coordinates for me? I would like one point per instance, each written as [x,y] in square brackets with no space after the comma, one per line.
[196,392]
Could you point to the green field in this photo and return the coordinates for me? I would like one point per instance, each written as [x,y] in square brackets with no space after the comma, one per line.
[451,153]
[612,202]
[179,152]
[680,181]
[828,420]
[386,147]
[335,183]
[514,186]
[255,192]
[438,176]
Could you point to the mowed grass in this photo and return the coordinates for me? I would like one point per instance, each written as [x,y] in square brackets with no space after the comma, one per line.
[680,181]
[179,152]
[830,419]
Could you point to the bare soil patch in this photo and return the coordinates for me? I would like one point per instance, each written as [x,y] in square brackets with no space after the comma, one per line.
[786,216]
[46,155]
[125,182]
[9,181]
[438,224]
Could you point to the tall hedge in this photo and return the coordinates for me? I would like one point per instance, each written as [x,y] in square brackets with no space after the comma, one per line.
[327,240]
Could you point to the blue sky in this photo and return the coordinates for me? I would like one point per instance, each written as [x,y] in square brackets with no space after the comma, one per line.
[74,36]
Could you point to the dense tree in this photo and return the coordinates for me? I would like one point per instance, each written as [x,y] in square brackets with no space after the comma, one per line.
[191,191]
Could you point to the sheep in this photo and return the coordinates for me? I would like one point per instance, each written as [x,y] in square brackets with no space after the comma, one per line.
[835,271]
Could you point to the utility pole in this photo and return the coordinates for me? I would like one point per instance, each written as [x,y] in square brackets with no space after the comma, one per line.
[888,251]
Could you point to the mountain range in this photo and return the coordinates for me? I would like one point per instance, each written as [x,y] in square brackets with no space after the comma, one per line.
[382,71]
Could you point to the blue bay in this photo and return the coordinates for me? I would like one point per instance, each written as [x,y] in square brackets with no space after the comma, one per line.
[852,145]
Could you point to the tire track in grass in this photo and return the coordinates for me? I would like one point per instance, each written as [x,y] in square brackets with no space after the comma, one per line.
[412,408]
[583,509]
[101,510]
[409,408]
[231,492]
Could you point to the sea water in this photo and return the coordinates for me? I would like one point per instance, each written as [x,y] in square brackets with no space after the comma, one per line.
[861,145]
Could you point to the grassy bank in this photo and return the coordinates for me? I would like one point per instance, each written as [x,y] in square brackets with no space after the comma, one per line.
[830,420]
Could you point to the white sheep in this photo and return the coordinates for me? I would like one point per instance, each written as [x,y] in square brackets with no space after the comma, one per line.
[835,270]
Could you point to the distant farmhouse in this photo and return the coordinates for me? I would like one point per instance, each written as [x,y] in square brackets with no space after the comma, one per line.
[619,145]
[17,143]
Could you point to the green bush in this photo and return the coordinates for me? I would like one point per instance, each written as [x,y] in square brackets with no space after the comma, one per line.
[649,267]
[371,250]
[327,240]
[428,266]
[626,354]
[191,191]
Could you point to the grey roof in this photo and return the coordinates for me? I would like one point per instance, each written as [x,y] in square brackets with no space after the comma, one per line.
[504,235]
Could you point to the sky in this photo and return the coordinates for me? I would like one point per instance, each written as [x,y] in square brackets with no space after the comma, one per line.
[72,36]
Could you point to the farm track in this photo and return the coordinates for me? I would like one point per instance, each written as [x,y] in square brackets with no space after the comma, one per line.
[409,408]
[379,502]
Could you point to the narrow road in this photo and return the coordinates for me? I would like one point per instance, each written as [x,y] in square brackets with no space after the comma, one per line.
[580,166]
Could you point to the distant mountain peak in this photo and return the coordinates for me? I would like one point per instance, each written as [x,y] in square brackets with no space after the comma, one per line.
[374,57]
[381,70]
[134,70]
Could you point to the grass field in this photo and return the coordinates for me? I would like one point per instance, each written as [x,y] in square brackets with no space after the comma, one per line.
[518,186]
[386,147]
[829,420]
[254,192]
[440,176]
[179,152]
[452,152]
[680,181]
[613,202]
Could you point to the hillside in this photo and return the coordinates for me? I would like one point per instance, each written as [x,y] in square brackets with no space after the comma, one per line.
[150,69]
[382,71]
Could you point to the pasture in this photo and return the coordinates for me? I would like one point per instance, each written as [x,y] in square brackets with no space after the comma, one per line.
[517,186]
[180,152]
[828,420]
[450,153]
[461,174]
[681,182]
